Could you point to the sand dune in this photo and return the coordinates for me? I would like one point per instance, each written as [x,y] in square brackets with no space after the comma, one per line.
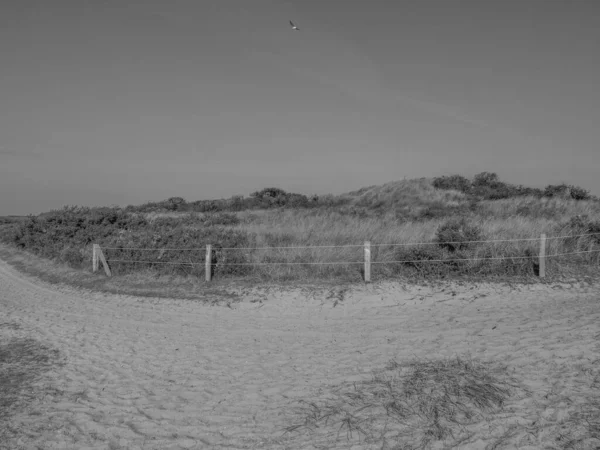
[167,374]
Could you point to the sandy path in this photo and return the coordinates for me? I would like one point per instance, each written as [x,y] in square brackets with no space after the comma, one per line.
[166,374]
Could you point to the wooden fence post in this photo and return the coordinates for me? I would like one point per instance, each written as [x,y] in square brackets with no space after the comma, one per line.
[207,262]
[367,261]
[543,255]
[95,258]
[100,256]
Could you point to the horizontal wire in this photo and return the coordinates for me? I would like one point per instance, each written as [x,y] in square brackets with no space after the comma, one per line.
[353,245]
[362,262]
[153,262]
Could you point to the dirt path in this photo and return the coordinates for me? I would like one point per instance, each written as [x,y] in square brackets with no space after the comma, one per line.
[169,374]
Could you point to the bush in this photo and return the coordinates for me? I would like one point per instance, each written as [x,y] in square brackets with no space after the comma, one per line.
[580,231]
[594,229]
[581,225]
[206,206]
[72,257]
[297,201]
[455,234]
[236,203]
[175,204]
[578,193]
[423,259]
[556,190]
[485,179]
[527,191]
[500,191]
[456,182]
[64,235]
[271,192]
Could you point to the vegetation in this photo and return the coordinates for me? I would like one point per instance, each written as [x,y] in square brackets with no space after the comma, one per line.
[416,403]
[418,228]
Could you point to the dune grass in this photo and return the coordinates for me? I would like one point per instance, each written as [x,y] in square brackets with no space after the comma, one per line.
[23,363]
[424,404]
[407,223]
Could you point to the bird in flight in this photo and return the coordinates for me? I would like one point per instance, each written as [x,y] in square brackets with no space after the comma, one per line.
[294,27]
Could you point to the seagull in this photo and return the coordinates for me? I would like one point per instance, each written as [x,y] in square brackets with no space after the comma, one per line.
[294,27]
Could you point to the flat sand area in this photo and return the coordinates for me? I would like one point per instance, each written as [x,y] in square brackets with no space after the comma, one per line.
[169,374]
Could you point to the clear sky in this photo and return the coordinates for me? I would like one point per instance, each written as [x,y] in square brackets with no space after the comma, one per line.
[127,101]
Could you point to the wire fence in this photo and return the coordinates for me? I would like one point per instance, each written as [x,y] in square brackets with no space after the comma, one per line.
[404,261]
[351,245]
[351,262]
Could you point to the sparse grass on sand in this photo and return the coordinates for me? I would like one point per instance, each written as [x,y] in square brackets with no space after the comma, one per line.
[23,362]
[423,404]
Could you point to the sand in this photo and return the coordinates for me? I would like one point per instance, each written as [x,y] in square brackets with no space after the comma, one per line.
[169,374]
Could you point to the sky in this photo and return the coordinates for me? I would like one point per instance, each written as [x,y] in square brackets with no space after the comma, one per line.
[119,102]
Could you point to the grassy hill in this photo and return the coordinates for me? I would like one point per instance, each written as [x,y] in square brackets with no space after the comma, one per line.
[417,228]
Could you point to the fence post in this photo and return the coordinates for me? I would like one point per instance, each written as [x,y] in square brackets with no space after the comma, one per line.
[101,257]
[543,255]
[367,261]
[94,258]
[207,262]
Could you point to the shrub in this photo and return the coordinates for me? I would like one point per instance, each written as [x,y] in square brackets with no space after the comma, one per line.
[527,191]
[455,233]
[272,192]
[485,179]
[579,223]
[556,190]
[456,182]
[72,257]
[236,203]
[500,191]
[578,193]
[578,228]
[206,206]
[297,201]
[422,259]
[175,204]
[593,228]
[487,186]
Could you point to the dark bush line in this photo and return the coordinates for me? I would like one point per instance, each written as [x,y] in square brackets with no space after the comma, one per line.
[267,198]
[66,235]
[487,186]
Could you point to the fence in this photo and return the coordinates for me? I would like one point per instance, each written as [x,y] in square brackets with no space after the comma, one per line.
[210,260]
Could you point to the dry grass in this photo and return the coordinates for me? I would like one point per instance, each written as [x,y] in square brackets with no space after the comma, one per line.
[414,403]
[379,214]
[448,403]
[23,363]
